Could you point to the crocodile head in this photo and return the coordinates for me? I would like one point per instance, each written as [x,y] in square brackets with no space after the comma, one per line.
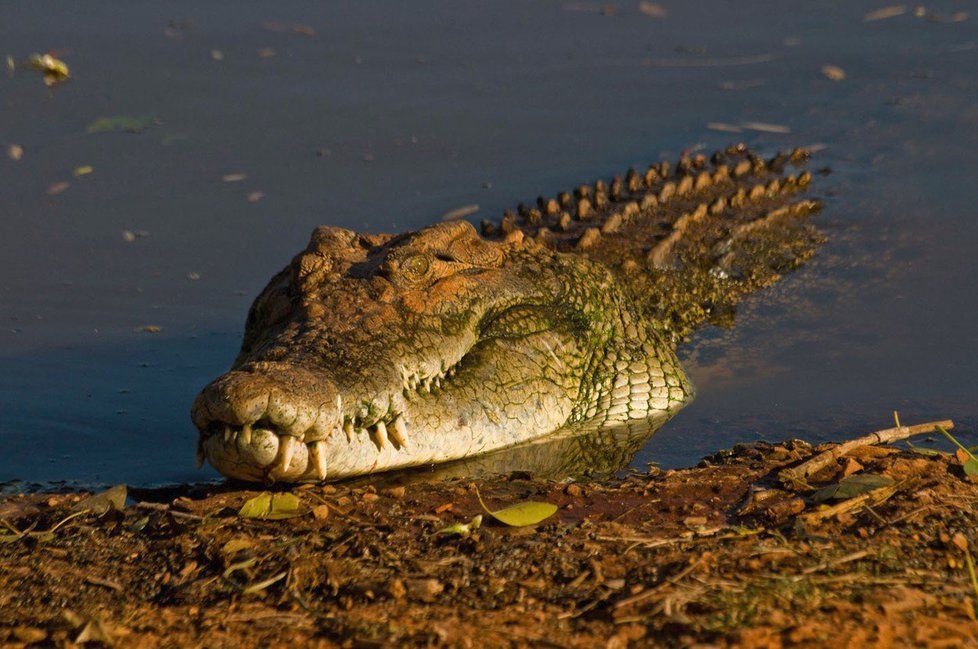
[370,353]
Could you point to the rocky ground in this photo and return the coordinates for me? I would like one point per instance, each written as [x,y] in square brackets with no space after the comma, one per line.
[727,553]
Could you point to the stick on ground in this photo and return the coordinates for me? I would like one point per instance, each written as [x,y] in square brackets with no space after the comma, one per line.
[799,473]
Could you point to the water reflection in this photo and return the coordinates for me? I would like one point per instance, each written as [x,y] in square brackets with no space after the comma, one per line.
[581,451]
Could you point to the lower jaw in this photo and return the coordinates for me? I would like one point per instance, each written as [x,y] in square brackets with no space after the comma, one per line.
[258,456]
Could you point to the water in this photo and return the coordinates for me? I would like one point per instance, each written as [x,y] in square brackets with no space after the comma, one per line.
[392,114]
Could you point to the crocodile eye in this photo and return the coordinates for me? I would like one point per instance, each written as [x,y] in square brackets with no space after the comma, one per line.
[416,266]
[409,270]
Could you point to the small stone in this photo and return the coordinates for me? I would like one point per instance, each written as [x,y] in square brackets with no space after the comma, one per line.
[396,589]
[396,492]
[573,490]
[851,466]
[320,512]
[425,590]
[694,521]
[370,497]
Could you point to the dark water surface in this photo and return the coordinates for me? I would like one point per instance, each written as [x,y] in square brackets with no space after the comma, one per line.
[392,114]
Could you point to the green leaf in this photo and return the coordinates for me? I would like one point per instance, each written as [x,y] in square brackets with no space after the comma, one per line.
[971,467]
[521,514]
[926,451]
[121,123]
[851,486]
[268,506]
[463,529]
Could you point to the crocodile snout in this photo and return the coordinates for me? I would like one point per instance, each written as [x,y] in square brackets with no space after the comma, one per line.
[266,421]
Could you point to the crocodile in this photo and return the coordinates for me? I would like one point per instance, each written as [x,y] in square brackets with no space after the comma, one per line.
[373,352]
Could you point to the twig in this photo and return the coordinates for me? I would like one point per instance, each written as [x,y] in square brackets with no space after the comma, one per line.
[874,497]
[971,573]
[802,471]
[644,595]
[107,583]
[262,585]
[855,556]
[692,537]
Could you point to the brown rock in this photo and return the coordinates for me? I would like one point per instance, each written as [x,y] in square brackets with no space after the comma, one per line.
[320,512]
[425,590]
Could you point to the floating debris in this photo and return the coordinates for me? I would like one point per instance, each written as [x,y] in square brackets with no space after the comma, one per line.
[15,152]
[884,13]
[122,123]
[128,236]
[254,197]
[724,127]
[151,329]
[266,52]
[712,62]
[57,188]
[55,70]
[234,178]
[83,170]
[217,55]
[460,212]
[652,10]
[761,127]
[833,72]
[764,127]
[193,276]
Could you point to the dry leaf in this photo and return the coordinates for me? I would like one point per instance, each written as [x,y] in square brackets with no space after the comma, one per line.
[113,498]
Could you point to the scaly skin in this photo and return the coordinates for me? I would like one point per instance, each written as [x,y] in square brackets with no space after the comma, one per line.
[376,352]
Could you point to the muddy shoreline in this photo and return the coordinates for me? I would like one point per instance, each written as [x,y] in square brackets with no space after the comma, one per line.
[720,554]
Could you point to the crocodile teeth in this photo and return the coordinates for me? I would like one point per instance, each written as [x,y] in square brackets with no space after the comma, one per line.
[245,435]
[286,451]
[228,434]
[199,457]
[399,434]
[379,435]
[348,430]
[317,456]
